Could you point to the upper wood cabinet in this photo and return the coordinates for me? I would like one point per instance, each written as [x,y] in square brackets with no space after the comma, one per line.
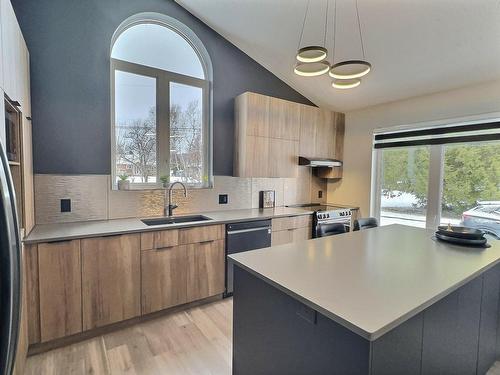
[284,119]
[271,133]
[266,136]
[111,279]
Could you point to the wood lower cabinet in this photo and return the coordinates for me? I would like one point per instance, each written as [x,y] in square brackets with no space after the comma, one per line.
[164,278]
[201,234]
[111,279]
[60,289]
[291,229]
[78,285]
[205,272]
[180,274]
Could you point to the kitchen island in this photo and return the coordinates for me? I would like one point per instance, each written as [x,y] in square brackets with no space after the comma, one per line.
[389,300]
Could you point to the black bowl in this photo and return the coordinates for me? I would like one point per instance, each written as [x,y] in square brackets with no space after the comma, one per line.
[461,232]
[462,241]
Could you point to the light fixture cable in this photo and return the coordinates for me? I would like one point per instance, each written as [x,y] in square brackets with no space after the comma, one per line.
[326,22]
[303,24]
[334,29]
[360,33]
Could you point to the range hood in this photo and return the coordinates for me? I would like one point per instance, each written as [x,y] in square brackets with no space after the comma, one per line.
[320,162]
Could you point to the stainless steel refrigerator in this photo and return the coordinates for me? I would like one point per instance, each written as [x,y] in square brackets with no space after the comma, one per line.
[10,269]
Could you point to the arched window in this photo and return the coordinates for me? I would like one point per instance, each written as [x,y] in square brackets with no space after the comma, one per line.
[161,98]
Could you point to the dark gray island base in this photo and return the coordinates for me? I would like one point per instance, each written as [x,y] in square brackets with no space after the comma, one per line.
[274,333]
[383,301]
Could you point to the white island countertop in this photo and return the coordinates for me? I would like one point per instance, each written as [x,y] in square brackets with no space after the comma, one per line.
[373,280]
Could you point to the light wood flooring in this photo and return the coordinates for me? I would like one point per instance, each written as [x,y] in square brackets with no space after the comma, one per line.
[196,341]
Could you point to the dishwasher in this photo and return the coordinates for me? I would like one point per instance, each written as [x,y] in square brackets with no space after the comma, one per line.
[244,236]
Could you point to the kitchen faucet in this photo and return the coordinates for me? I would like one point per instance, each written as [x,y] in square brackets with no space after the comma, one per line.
[168,209]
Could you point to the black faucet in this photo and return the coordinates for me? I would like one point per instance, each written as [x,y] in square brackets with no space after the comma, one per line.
[169,208]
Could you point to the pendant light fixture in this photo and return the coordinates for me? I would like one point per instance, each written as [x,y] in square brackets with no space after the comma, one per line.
[344,84]
[312,58]
[349,69]
[312,69]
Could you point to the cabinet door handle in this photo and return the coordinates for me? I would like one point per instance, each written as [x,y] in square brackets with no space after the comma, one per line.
[164,248]
[207,241]
[58,241]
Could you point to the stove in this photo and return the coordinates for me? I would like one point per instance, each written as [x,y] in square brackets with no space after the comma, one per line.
[328,219]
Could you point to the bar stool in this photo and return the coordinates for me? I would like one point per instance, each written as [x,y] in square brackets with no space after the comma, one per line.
[365,223]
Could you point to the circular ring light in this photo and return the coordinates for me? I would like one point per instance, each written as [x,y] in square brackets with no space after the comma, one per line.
[312,69]
[345,84]
[350,69]
[312,54]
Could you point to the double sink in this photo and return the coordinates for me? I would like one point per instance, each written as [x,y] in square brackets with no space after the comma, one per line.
[175,220]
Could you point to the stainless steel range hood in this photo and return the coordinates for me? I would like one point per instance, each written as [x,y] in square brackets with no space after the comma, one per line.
[320,162]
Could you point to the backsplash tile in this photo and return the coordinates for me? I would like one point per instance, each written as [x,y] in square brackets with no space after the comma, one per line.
[298,190]
[150,203]
[88,194]
[92,198]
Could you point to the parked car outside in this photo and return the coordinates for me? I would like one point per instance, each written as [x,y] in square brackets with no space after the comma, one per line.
[485,216]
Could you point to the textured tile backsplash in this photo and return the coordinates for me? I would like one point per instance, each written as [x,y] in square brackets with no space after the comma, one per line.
[88,195]
[92,198]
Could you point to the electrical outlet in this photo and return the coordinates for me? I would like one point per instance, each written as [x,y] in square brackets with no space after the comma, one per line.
[223,199]
[65,205]
[320,193]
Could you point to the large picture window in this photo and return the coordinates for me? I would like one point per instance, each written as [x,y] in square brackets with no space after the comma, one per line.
[161,101]
[448,175]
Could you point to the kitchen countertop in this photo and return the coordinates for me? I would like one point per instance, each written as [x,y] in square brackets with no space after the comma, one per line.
[373,280]
[82,229]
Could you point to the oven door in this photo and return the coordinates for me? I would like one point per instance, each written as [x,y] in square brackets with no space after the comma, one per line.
[332,227]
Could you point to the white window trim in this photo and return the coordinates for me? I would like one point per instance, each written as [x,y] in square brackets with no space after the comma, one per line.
[206,84]
[436,167]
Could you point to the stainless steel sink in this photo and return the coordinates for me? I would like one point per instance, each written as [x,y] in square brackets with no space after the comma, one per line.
[175,220]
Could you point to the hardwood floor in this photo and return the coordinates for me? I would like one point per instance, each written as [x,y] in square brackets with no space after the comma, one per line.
[195,341]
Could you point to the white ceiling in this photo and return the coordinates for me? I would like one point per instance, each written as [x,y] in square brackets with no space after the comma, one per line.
[416,47]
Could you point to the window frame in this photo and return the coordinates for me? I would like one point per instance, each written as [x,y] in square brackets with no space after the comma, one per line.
[163,80]
[436,167]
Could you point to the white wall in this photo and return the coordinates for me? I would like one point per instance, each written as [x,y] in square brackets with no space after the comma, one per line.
[355,186]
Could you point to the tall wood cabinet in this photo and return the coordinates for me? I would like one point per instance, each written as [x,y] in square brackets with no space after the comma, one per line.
[15,86]
[271,133]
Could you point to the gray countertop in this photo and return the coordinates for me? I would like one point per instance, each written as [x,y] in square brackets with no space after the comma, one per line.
[82,229]
[373,280]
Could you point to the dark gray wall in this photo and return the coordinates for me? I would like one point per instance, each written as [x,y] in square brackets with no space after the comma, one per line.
[69,43]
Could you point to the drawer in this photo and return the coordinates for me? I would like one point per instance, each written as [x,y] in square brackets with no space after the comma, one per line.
[291,222]
[201,234]
[282,237]
[159,239]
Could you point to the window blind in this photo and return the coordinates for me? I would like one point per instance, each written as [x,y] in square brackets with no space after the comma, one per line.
[489,131]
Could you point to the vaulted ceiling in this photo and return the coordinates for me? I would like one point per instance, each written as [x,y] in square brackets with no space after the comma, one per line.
[415,47]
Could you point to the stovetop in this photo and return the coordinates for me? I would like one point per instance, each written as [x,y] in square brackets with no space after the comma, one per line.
[319,207]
